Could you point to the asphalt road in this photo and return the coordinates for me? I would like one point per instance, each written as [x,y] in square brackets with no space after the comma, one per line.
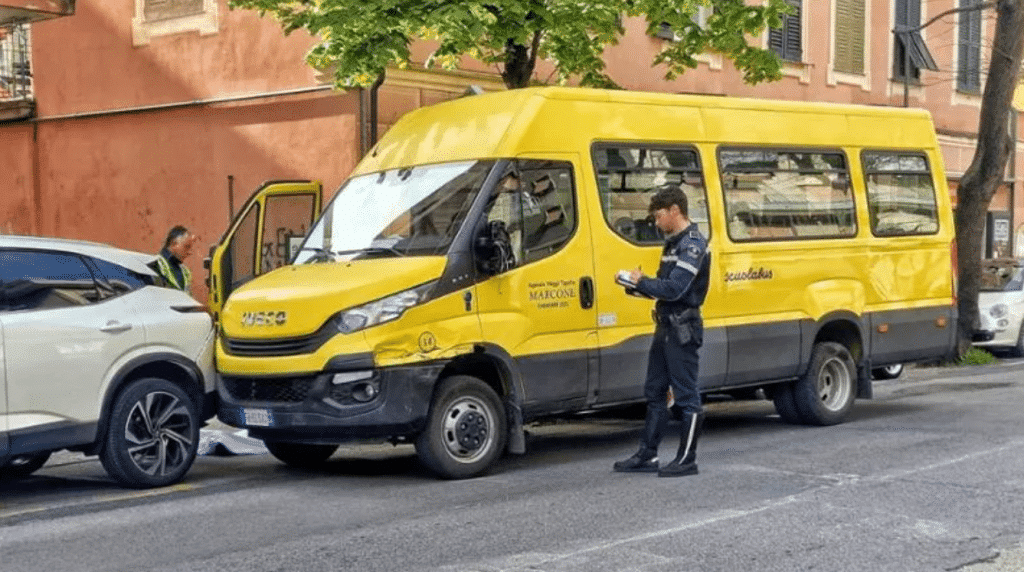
[929,476]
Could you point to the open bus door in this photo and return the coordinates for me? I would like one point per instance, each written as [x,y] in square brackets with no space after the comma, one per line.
[263,236]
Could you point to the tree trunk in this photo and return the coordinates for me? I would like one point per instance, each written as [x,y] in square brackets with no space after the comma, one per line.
[520,62]
[986,172]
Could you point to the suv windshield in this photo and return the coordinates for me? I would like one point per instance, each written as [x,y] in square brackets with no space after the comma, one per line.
[1001,276]
[414,211]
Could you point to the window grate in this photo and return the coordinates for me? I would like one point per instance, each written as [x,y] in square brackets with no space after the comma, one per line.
[15,63]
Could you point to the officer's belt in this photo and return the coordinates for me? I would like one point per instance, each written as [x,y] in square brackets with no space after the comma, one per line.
[683,315]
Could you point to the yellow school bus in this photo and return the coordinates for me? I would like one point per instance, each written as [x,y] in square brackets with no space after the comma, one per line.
[461,283]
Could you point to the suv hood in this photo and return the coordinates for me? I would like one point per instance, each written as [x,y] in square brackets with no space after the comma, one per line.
[297,300]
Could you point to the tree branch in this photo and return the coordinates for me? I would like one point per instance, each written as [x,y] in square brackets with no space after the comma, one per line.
[979,7]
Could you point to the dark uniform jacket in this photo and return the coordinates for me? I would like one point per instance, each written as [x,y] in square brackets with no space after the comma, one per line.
[682,280]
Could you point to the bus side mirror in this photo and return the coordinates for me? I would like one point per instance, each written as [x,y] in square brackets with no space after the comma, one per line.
[493,249]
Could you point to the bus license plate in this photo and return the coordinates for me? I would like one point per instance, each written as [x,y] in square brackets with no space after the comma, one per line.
[256,417]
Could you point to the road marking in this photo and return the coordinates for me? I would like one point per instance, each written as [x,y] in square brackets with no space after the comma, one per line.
[832,481]
[134,495]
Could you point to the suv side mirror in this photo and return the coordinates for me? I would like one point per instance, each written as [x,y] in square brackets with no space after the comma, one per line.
[493,249]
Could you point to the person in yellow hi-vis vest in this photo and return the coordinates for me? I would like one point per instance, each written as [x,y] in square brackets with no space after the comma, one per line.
[170,261]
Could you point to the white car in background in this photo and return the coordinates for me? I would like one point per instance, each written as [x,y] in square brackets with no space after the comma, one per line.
[1001,306]
[97,357]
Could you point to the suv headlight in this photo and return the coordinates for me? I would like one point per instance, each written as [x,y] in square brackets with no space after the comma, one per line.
[383,310]
[998,310]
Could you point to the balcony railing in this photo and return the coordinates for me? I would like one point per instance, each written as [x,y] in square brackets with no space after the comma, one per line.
[15,63]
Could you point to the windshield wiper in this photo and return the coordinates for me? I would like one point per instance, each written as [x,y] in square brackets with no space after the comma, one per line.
[372,249]
[322,254]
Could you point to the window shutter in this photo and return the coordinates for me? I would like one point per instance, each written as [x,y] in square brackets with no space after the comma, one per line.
[974,58]
[787,40]
[166,9]
[794,31]
[849,34]
[969,48]
[908,13]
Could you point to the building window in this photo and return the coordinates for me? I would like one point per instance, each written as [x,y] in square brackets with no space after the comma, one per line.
[787,41]
[849,34]
[166,9]
[968,74]
[15,69]
[908,15]
[165,17]
[700,17]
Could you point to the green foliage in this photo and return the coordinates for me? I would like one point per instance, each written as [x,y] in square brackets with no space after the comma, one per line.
[359,39]
[976,356]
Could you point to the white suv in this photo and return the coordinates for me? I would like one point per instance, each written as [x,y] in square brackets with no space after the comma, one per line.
[96,356]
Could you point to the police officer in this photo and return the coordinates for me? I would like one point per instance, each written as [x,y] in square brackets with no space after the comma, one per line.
[679,288]
[170,261]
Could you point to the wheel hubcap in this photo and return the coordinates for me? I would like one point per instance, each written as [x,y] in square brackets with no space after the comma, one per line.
[158,432]
[834,384]
[467,429]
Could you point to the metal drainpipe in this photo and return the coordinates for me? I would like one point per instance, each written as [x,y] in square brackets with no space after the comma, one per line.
[374,89]
[1014,126]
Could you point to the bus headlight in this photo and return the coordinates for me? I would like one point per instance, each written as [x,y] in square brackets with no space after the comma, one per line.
[383,310]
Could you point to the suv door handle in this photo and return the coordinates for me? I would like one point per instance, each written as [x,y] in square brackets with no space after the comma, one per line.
[115,327]
[586,292]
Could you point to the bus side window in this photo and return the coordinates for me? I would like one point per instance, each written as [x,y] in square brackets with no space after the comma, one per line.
[773,194]
[901,196]
[629,175]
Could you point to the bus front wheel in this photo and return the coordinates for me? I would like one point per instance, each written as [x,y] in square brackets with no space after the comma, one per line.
[466,429]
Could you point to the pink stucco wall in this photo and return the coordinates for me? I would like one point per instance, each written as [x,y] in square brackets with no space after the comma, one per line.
[17,203]
[126,178]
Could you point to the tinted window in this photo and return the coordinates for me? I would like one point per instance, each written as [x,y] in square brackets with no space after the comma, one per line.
[901,196]
[773,194]
[119,278]
[31,279]
[629,175]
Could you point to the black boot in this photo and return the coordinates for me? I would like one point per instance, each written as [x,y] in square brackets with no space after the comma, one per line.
[645,460]
[685,462]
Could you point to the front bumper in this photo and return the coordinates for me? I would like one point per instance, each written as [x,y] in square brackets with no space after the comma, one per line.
[314,409]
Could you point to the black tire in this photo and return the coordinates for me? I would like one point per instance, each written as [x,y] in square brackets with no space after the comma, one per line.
[1018,350]
[152,434]
[466,429]
[888,372]
[825,394]
[300,455]
[782,396]
[21,466]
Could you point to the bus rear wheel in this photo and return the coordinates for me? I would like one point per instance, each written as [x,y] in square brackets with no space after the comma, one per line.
[824,395]
[466,429]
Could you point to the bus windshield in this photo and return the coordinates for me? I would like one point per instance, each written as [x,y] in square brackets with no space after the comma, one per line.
[415,211]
